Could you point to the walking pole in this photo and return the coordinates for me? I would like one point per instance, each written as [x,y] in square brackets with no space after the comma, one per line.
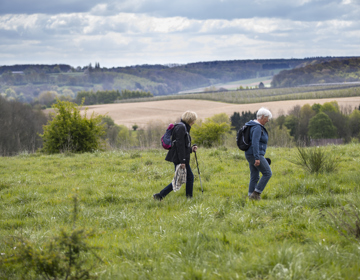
[202,190]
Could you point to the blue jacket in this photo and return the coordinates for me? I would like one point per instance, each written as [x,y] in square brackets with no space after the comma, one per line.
[259,138]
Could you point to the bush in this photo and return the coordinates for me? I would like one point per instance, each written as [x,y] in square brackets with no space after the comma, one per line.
[111,131]
[66,256]
[280,137]
[315,160]
[69,131]
[209,133]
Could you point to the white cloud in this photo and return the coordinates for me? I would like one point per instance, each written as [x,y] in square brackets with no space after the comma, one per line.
[113,37]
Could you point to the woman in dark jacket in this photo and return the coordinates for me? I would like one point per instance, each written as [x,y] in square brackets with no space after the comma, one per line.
[180,153]
[256,152]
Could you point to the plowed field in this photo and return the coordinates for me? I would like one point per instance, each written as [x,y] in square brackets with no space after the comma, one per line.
[141,113]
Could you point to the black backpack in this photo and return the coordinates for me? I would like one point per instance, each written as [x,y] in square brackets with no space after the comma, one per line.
[243,138]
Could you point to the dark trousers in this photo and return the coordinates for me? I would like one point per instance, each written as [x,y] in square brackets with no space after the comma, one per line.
[189,183]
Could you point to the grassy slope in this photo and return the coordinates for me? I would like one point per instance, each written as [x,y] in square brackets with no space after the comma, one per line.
[216,235]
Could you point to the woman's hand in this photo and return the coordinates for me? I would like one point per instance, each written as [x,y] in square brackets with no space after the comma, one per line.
[182,166]
[257,162]
[194,148]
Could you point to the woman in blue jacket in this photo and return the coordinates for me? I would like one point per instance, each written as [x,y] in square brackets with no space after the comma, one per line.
[255,154]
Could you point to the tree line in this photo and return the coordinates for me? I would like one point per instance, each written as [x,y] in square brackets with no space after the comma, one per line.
[304,123]
[108,96]
[20,126]
[322,121]
[24,129]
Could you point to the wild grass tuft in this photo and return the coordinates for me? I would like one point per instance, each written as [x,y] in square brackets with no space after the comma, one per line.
[315,160]
[347,219]
[65,256]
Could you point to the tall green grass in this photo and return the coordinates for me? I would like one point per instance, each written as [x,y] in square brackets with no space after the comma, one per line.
[219,234]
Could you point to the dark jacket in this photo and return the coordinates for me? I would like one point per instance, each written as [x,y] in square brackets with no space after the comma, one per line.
[259,138]
[181,146]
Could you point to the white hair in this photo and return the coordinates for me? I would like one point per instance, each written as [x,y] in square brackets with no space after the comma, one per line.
[263,112]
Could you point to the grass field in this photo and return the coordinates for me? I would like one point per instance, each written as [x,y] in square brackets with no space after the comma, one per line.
[216,235]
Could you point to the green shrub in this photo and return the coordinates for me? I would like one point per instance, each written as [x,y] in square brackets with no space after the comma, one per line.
[69,131]
[66,256]
[211,132]
[315,160]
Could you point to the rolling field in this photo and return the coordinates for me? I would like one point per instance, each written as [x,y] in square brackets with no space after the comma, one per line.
[236,84]
[165,111]
[219,234]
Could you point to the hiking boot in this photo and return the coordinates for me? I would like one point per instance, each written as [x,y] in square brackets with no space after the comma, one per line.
[255,196]
[157,196]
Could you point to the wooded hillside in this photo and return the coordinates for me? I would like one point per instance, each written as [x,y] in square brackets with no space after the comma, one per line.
[318,72]
[27,82]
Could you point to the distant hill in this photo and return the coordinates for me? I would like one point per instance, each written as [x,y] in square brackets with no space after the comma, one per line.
[27,82]
[337,70]
[39,68]
[192,75]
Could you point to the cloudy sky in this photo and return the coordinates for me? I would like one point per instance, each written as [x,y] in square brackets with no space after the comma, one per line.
[131,32]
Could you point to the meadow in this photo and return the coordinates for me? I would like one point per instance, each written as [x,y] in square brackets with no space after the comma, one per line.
[219,234]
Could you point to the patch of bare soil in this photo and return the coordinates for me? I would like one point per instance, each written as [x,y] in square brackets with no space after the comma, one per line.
[142,113]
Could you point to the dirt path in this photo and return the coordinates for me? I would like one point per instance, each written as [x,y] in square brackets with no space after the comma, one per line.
[141,113]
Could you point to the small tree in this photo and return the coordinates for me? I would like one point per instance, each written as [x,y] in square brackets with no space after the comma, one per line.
[330,107]
[111,135]
[66,256]
[220,118]
[124,137]
[69,131]
[292,123]
[316,107]
[69,93]
[238,120]
[211,132]
[135,127]
[355,123]
[321,127]
[48,97]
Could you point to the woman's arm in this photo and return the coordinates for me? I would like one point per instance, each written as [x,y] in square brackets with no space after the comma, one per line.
[180,143]
[255,141]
